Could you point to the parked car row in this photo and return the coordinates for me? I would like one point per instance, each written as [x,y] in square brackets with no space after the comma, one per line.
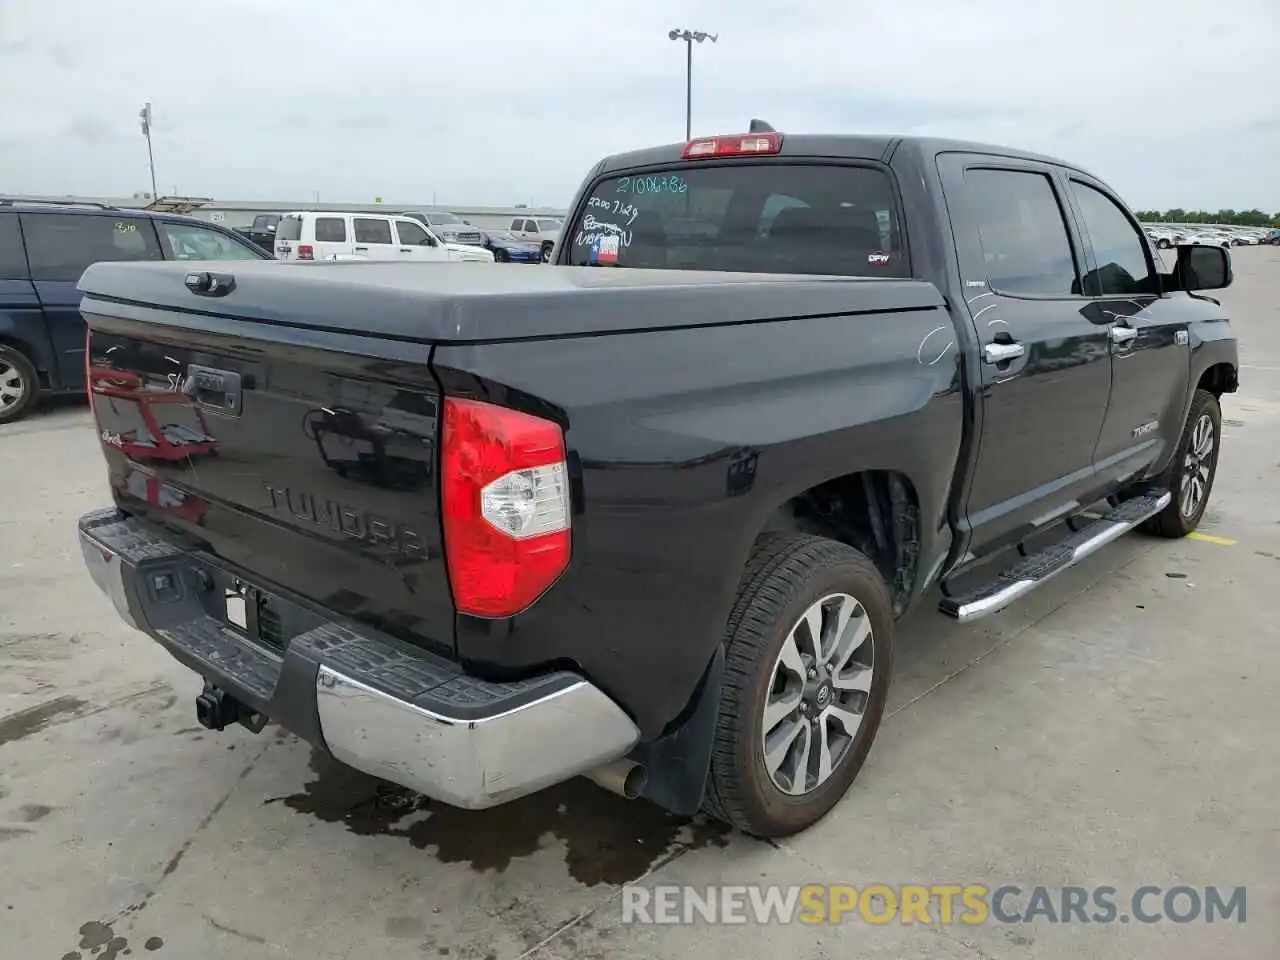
[311,236]
[412,235]
[44,248]
[1166,236]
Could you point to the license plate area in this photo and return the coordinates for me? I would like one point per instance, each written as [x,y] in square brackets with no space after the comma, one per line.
[260,617]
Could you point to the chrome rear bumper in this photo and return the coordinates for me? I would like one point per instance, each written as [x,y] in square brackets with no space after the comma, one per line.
[472,763]
[386,708]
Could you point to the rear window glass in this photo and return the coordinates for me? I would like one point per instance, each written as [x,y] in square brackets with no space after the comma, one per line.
[62,246]
[759,218]
[289,228]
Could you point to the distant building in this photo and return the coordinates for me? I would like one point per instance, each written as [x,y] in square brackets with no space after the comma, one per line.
[240,213]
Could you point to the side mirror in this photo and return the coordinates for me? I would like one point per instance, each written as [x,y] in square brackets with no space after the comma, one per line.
[1203,267]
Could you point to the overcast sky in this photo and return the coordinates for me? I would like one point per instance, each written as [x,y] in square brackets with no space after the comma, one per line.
[1175,102]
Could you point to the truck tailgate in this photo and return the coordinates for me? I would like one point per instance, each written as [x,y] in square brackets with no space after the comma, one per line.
[304,459]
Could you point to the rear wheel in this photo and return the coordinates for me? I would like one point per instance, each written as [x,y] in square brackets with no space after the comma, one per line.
[500,255]
[1190,475]
[809,653]
[546,252]
[18,384]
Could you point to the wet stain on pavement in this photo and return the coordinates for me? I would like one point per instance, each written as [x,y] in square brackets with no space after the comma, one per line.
[608,840]
[33,812]
[24,723]
[153,943]
[10,833]
[101,941]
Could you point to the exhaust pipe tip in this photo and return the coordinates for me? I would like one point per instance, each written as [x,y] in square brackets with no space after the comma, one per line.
[624,777]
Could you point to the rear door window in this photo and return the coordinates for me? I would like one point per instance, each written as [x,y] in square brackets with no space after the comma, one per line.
[13,261]
[331,230]
[60,246]
[1025,244]
[289,228]
[757,218]
[372,230]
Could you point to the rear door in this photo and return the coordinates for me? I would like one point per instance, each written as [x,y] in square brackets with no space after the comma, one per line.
[289,236]
[374,239]
[414,243]
[59,248]
[1045,375]
[21,322]
[1150,341]
[332,237]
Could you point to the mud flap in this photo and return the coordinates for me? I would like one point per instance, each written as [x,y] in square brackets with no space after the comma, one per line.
[679,762]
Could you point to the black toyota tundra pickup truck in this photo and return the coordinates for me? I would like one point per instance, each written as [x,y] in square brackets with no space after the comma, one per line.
[649,513]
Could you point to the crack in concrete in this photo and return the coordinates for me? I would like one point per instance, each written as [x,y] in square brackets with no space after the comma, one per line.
[176,860]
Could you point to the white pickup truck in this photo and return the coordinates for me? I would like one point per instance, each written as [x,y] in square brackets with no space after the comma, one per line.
[542,230]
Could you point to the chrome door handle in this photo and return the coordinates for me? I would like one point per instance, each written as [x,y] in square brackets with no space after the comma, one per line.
[1002,352]
[1123,334]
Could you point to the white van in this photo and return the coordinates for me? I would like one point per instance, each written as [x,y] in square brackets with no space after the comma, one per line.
[311,235]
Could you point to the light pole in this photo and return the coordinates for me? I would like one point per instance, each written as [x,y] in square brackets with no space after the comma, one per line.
[689,36]
[144,115]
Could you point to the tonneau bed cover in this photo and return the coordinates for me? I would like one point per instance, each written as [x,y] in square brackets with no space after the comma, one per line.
[473,302]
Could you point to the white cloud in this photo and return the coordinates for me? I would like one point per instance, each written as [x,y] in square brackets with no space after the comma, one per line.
[511,100]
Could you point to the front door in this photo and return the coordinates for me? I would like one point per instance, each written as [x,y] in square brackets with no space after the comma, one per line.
[1045,370]
[416,244]
[1150,349]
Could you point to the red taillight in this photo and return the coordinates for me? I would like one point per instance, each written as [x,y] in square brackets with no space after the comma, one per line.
[306,251]
[735,145]
[506,506]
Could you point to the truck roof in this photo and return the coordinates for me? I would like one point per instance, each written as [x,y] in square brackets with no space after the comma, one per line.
[841,146]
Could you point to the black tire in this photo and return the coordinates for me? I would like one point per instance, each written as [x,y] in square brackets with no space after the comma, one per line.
[787,573]
[546,252]
[500,255]
[1164,244]
[1173,521]
[19,386]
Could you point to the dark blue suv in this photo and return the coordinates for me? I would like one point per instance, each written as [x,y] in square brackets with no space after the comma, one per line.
[44,248]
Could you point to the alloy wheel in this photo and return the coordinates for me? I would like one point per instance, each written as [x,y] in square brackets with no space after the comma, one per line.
[1197,466]
[818,694]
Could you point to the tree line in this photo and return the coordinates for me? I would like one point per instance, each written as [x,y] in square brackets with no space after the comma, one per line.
[1239,218]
